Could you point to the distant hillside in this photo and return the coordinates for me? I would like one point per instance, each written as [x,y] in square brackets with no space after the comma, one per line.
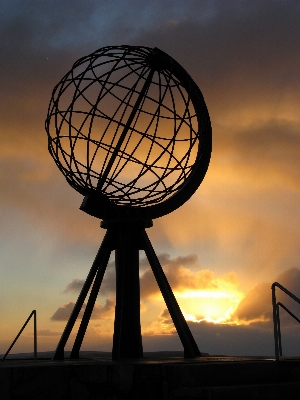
[44,355]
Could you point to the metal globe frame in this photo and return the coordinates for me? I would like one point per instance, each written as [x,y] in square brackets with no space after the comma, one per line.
[97,113]
[129,129]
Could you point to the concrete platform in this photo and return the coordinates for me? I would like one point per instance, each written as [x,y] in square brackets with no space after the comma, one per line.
[208,378]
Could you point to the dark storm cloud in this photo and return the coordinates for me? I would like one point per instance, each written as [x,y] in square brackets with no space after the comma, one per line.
[222,42]
[31,64]
[233,51]
[240,54]
[236,45]
[42,37]
[233,340]
[223,339]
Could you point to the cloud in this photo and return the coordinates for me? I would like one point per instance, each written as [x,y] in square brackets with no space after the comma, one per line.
[200,293]
[179,276]
[236,340]
[107,287]
[267,153]
[63,313]
[74,286]
[162,326]
[107,311]
[248,332]
[147,281]
[254,308]
[238,75]
[257,304]
[245,215]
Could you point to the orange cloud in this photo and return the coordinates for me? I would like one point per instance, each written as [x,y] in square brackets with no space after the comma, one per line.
[177,272]
[245,215]
[162,326]
[182,278]
[257,304]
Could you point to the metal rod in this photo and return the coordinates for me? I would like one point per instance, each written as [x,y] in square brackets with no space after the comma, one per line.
[278,323]
[190,347]
[288,311]
[59,352]
[286,291]
[18,335]
[103,261]
[125,130]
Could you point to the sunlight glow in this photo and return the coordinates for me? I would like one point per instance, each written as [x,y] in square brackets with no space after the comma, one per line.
[212,306]
[207,294]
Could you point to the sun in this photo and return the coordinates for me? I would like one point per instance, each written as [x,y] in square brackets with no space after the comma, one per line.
[209,305]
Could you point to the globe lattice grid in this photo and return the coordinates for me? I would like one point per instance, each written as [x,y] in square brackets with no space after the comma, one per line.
[130,123]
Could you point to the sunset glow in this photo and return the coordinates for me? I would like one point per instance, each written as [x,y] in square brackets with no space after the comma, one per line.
[237,234]
[208,305]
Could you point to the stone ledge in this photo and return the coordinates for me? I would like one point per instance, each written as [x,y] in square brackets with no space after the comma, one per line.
[148,380]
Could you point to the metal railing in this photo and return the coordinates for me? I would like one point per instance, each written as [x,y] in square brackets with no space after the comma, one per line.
[33,313]
[276,317]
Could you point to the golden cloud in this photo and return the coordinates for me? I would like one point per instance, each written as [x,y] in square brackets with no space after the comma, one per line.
[257,304]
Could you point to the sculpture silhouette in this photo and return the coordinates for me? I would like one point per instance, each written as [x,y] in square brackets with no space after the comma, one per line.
[129,129]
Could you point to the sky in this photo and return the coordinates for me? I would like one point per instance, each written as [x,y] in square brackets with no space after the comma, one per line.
[222,250]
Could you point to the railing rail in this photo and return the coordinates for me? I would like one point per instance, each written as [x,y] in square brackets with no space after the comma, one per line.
[276,317]
[33,313]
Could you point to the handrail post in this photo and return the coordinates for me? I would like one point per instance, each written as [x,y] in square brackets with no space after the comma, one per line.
[275,321]
[276,318]
[279,330]
[34,335]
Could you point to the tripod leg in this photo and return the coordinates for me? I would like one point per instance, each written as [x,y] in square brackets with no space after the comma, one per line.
[103,261]
[59,352]
[190,347]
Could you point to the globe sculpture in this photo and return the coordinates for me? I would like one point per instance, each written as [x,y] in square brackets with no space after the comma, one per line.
[129,129]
